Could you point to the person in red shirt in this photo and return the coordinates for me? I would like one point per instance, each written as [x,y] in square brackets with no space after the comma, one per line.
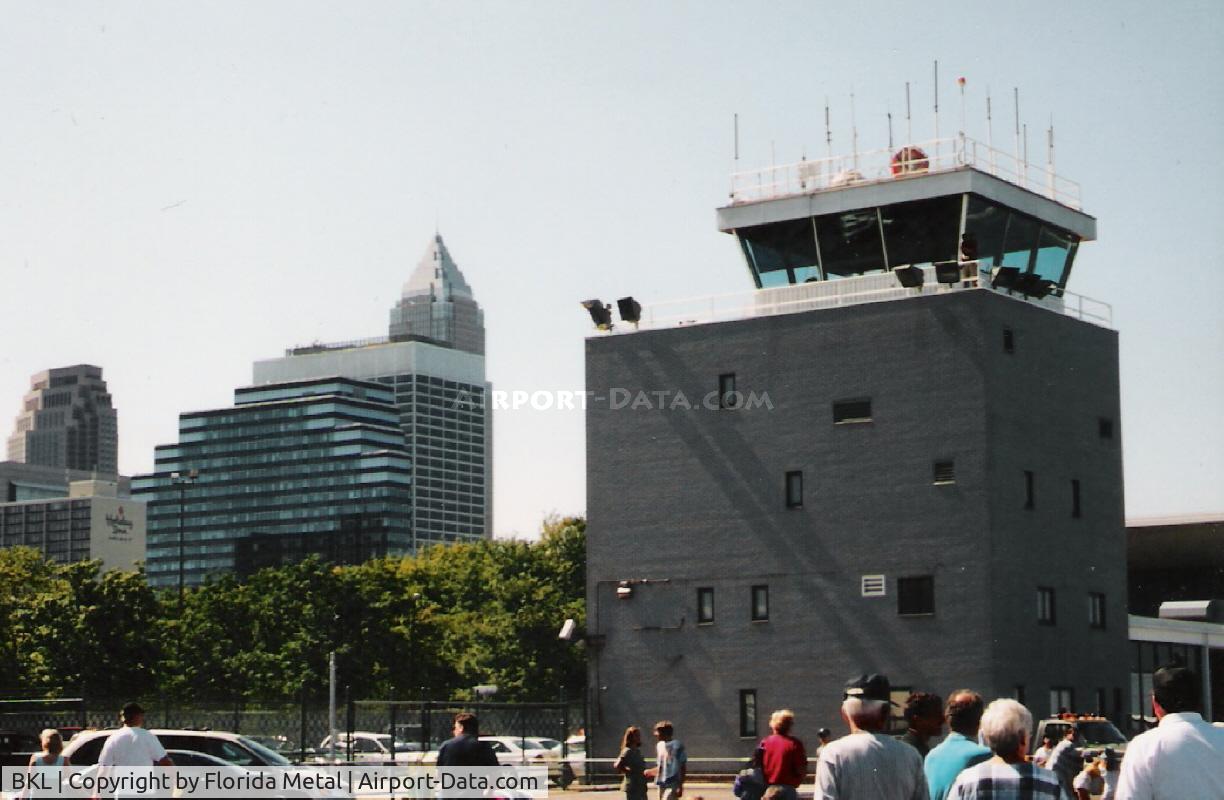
[783,759]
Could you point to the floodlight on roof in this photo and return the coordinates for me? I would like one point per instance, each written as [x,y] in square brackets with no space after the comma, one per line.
[910,277]
[948,272]
[1033,285]
[630,310]
[1004,277]
[601,314]
[1040,288]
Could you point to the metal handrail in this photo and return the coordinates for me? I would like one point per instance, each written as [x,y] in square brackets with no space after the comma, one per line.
[888,164]
[880,287]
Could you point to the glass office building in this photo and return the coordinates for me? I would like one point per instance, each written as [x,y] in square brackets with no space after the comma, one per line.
[293,469]
[433,360]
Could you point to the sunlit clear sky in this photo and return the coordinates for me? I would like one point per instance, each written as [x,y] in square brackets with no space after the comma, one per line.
[188,187]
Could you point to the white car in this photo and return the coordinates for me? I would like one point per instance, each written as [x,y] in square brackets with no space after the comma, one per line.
[372,747]
[533,750]
[84,748]
[184,745]
[575,749]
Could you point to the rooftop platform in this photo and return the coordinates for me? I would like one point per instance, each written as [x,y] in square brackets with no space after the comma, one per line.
[817,295]
[813,176]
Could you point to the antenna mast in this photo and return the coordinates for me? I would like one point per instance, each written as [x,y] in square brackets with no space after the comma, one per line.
[989,131]
[853,131]
[909,132]
[1050,156]
[961,82]
[828,130]
[936,110]
[1016,95]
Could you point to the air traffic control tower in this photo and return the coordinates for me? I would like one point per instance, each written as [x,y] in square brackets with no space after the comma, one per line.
[900,453]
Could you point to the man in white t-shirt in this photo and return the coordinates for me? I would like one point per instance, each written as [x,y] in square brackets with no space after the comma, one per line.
[132,745]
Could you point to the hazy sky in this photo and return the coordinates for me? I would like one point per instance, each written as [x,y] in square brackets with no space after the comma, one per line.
[188,187]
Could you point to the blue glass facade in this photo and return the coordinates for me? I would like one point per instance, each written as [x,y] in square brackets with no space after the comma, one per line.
[293,469]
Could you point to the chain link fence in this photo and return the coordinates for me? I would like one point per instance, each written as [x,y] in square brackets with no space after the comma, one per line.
[300,731]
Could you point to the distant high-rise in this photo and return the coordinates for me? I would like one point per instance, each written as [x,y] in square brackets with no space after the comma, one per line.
[67,420]
[437,305]
[294,469]
[433,359]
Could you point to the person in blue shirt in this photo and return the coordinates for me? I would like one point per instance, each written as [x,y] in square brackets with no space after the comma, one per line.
[960,749]
[671,761]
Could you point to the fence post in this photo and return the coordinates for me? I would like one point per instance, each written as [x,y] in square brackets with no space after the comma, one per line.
[426,721]
[302,739]
[350,714]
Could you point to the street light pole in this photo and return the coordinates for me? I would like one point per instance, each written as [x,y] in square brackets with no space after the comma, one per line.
[182,481]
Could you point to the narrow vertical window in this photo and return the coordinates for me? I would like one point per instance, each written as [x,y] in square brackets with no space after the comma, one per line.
[1075,498]
[1105,427]
[1028,488]
[1062,700]
[748,713]
[1045,605]
[727,396]
[1018,693]
[794,489]
[943,473]
[760,603]
[705,605]
[1096,610]
[1009,341]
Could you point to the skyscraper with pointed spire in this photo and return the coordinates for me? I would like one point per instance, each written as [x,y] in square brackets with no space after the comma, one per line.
[437,305]
[433,358]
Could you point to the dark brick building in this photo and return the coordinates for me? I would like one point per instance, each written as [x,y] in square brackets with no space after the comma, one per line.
[852,476]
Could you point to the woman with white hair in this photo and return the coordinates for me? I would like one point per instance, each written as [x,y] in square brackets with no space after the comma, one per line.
[1008,776]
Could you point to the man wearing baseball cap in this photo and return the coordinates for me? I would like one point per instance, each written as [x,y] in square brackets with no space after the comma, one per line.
[868,763]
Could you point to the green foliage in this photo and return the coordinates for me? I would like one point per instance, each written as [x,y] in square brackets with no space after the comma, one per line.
[433,625]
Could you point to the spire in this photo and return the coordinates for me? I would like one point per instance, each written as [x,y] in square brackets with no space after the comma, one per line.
[437,305]
[437,274]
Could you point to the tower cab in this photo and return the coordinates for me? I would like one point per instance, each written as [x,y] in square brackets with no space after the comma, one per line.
[953,211]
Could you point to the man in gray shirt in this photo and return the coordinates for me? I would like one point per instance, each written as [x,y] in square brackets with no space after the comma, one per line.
[869,764]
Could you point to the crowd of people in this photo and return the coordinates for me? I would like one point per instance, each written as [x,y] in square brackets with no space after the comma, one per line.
[985,755]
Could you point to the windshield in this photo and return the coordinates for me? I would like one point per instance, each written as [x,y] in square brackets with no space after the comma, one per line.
[546,744]
[1100,733]
[270,757]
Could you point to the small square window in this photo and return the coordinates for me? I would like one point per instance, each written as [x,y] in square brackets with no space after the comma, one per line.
[705,605]
[1105,427]
[944,472]
[1009,340]
[851,411]
[1028,489]
[1045,605]
[1096,610]
[916,595]
[794,489]
[1075,498]
[727,396]
[748,713]
[760,603]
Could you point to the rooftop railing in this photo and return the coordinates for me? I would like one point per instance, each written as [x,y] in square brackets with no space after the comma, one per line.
[880,287]
[891,164]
